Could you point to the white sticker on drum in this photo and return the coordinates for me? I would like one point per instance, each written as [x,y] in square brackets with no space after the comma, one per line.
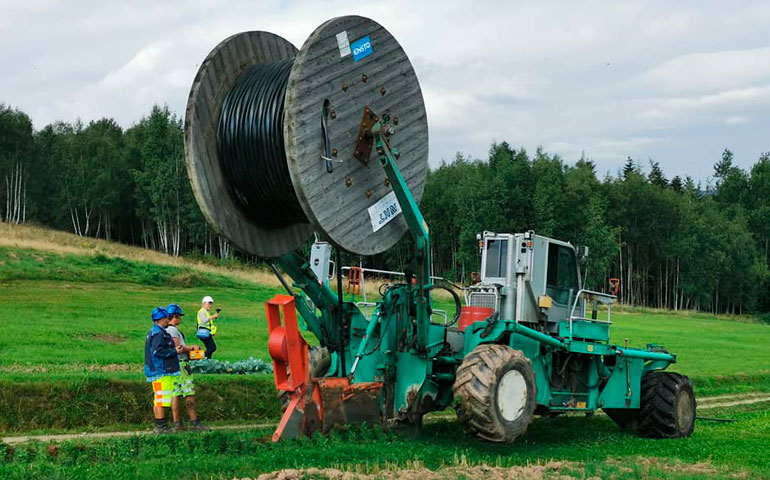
[343,43]
[386,209]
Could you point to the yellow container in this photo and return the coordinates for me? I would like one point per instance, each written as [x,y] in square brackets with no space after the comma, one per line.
[197,354]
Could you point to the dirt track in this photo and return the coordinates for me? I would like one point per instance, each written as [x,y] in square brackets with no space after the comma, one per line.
[645,467]
[704,403]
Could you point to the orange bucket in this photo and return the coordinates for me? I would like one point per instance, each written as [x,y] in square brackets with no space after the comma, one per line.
[470,315]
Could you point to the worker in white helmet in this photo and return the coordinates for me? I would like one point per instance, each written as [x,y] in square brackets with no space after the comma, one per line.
[206,327]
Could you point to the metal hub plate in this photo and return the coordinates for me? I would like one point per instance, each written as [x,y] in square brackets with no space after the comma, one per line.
[512,395]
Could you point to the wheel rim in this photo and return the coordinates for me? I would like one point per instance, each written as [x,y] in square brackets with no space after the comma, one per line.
[512,395]
[684,411]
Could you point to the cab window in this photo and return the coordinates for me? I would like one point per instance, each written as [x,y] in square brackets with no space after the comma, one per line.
[497,254]
[562,279]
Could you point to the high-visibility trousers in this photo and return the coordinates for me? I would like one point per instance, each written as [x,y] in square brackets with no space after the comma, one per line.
[163,388]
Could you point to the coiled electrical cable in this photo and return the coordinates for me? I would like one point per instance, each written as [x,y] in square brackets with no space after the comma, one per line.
[250,146]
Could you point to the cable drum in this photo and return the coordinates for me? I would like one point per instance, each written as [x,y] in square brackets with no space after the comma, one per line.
[271,131]
[251,150]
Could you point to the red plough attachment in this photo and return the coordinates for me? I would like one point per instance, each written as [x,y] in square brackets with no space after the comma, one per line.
[289,353]
[322,404]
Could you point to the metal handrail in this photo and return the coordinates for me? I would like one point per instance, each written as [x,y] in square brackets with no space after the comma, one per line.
[595,298]
[365,303]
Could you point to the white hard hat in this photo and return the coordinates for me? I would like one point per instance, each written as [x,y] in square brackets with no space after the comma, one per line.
[207,299]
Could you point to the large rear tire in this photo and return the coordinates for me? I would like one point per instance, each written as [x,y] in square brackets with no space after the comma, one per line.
[667,406]
[496,389]
[319,361]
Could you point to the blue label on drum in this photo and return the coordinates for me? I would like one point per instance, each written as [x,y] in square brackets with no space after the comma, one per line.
[362,48]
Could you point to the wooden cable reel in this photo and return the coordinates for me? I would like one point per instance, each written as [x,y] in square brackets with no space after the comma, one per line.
[347,64]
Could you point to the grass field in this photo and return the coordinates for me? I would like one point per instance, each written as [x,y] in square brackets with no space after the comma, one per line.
[72,346]
[75,322]
[584,448]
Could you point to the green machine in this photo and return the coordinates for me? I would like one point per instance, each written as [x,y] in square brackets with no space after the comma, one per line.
[351,167]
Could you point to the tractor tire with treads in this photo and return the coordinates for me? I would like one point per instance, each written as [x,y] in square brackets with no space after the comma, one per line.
[497,393]
[319,361]
[667,407]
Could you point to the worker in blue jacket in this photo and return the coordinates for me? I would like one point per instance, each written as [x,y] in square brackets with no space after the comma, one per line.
[161,365]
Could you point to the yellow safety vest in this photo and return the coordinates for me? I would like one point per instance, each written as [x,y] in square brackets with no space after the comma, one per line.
[205,321]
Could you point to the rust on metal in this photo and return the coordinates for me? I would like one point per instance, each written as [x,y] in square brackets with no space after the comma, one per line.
[365,139]
[340,402]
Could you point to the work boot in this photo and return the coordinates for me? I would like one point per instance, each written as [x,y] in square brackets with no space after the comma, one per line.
[161,427]
[178,427]
[197,426]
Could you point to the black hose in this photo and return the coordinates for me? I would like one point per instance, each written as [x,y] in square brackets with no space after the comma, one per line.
[250,146]
[458,303]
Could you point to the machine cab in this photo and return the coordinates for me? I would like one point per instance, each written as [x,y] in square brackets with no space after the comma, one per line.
[527,277]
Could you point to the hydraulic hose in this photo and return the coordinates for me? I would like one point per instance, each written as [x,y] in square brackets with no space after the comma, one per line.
[458,303]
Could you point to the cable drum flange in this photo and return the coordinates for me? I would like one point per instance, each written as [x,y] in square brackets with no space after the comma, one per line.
[216,76]
[330,80]
[384,80]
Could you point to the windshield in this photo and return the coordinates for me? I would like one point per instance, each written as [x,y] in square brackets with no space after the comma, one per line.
[562,281]
[497,253]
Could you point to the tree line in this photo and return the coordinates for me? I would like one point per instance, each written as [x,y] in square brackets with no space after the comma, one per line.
[99,180]
[671,242]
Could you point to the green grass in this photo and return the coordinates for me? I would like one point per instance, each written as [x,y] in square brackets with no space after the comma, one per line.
[25,264]
[55,322]
[596,444]
[99,401]
[58,322]
[706,346]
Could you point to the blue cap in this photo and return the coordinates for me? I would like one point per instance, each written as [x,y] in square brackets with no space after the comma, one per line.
[159,313]
[173,308]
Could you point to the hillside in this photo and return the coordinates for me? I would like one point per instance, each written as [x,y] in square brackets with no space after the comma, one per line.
[89,303]
[29,237]
[79,311]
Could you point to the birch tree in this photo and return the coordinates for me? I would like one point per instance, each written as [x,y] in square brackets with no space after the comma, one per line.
[16,148]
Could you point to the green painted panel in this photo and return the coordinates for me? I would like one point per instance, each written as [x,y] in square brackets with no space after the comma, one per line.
[599,331]
[626,375]
[411,371]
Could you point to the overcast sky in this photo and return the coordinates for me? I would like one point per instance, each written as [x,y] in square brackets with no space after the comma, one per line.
[676,82]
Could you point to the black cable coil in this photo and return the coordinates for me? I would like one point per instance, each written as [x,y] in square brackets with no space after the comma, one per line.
[250,146]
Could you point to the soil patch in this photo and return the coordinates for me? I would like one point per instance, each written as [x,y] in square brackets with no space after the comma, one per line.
[551,470]
[645,468]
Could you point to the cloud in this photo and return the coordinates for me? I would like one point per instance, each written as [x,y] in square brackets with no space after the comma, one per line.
[712,71]
[736,120]
[674,82]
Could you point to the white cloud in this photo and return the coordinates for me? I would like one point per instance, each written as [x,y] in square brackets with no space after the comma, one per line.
[736,120]
[677,82]
[712,71]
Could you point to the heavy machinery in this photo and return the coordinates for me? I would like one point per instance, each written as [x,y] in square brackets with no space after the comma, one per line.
[333,139]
